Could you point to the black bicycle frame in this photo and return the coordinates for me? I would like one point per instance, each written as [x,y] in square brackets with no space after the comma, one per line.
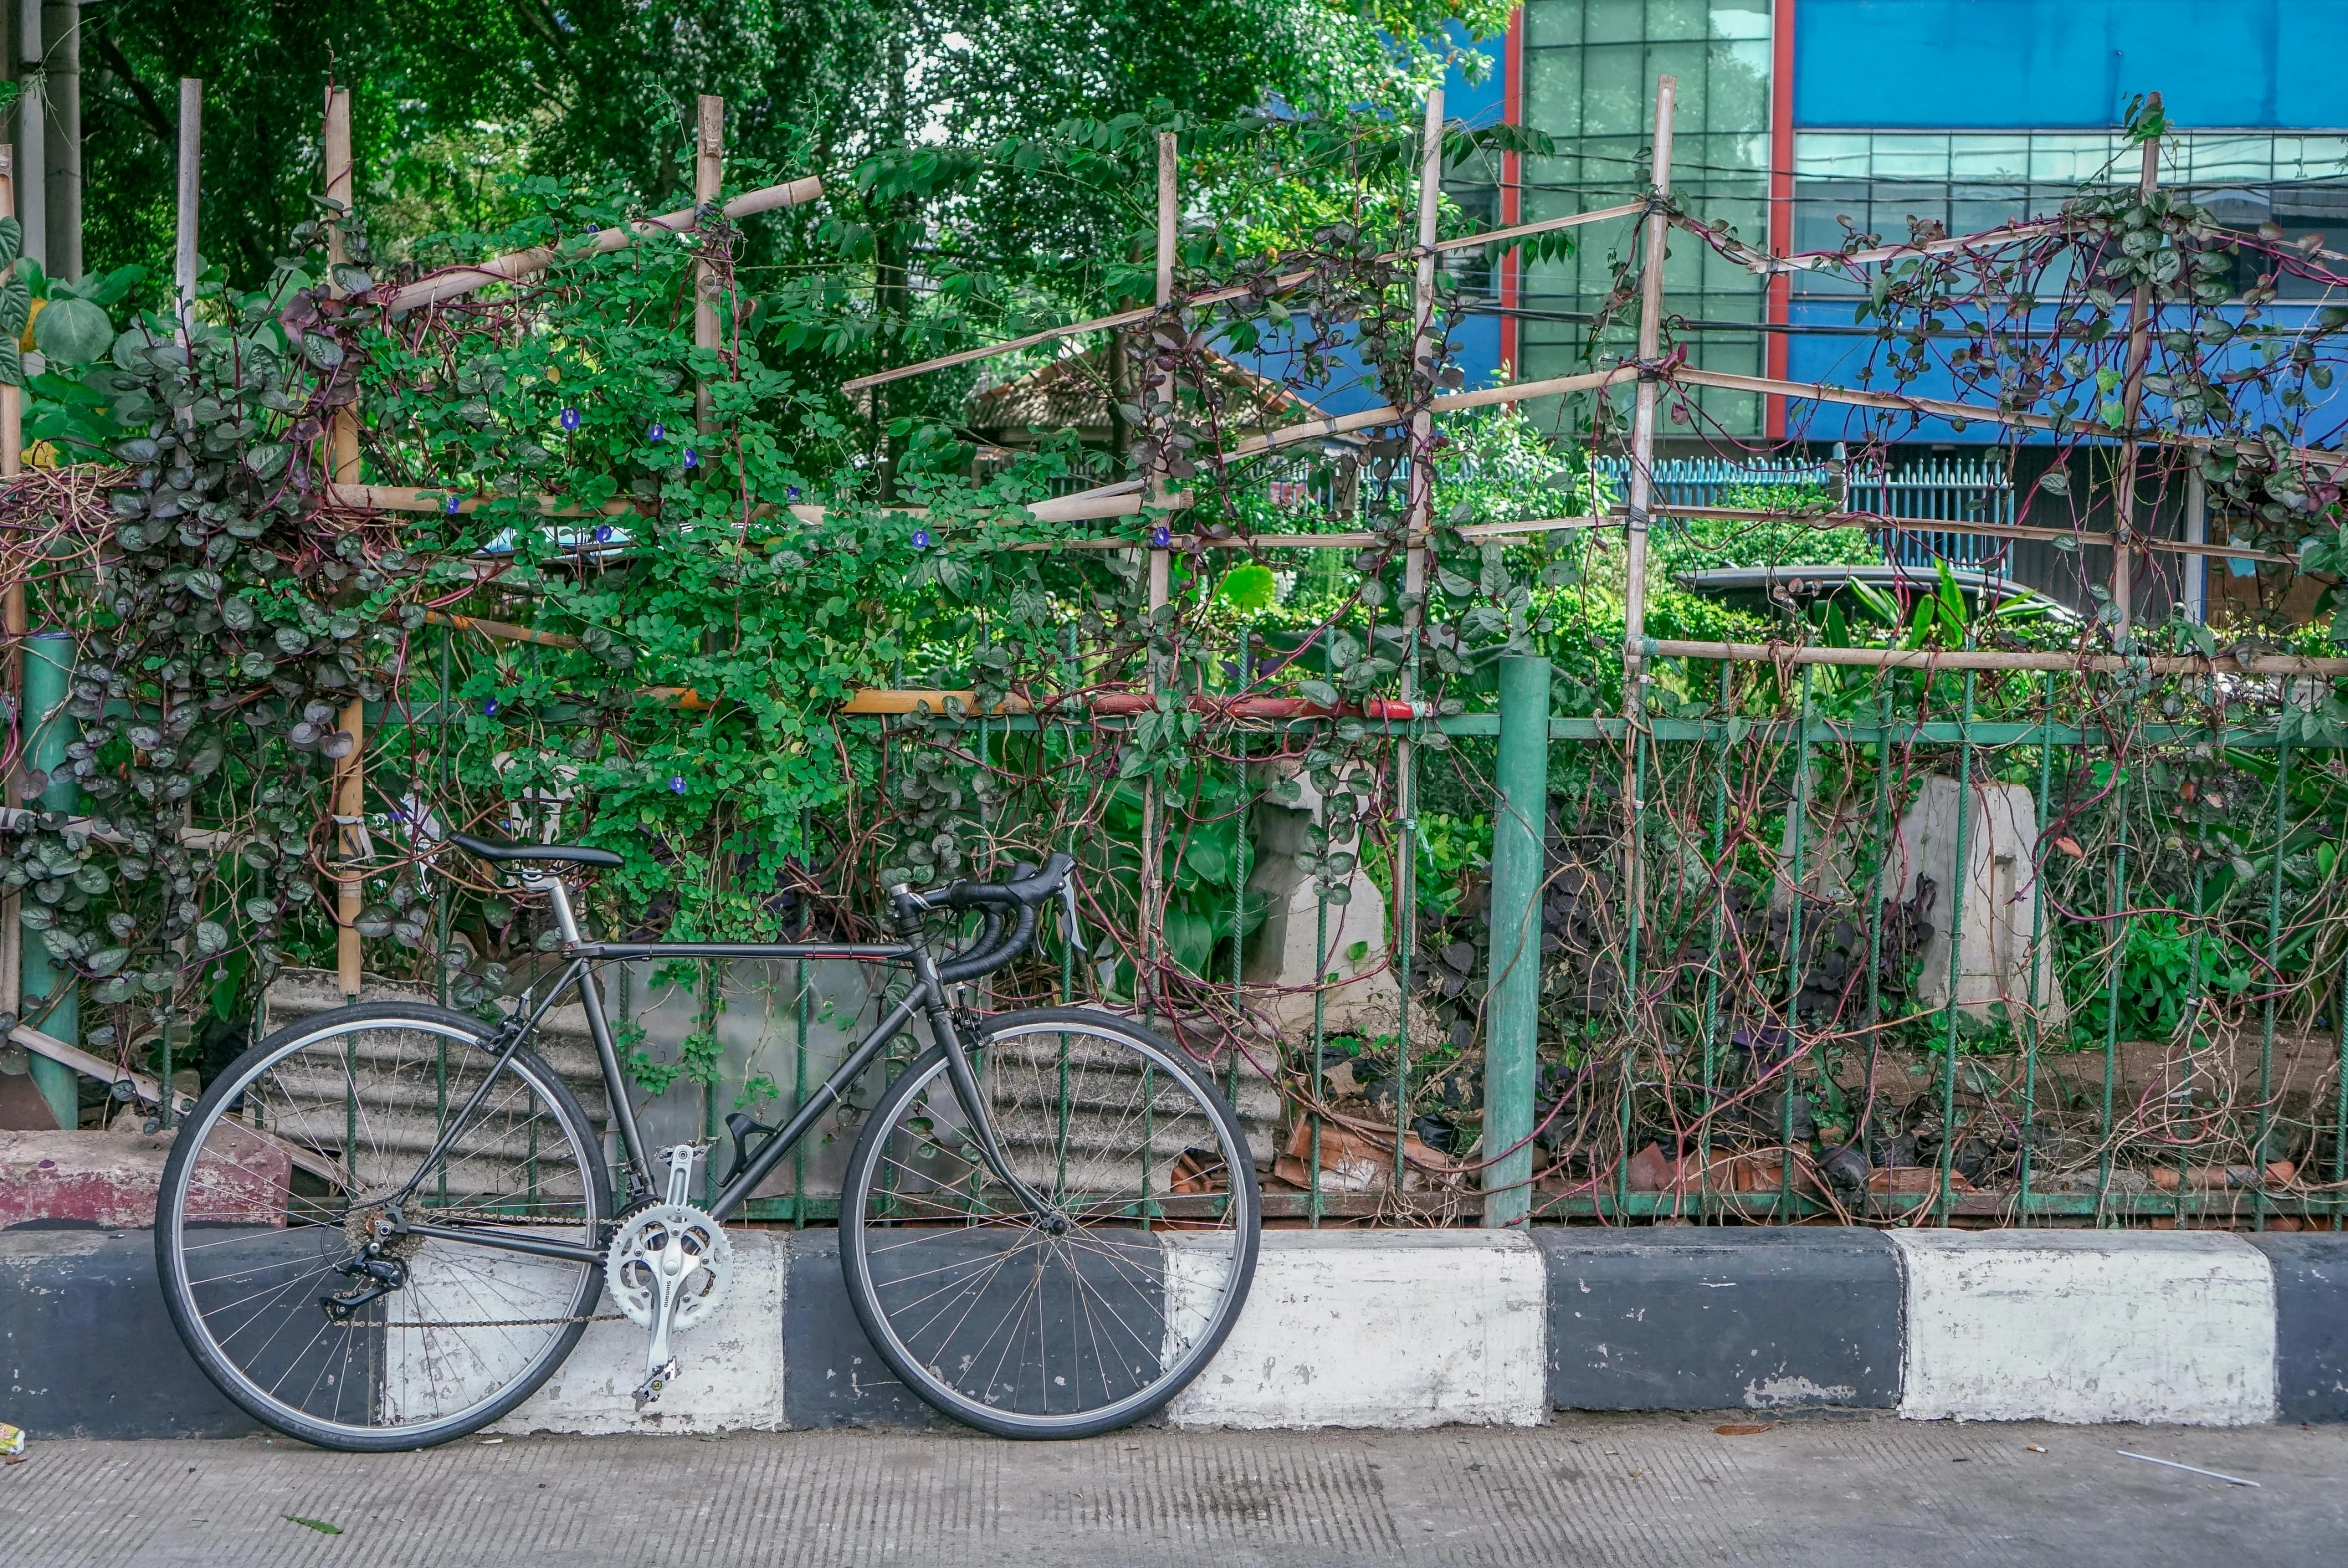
[928,995]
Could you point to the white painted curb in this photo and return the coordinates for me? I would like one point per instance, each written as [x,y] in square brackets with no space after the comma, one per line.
[2085,1327]
[729,1370]
[1404,1330]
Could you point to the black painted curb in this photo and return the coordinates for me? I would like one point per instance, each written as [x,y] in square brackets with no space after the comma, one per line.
[832,1376]
[2311,1324]
[87,1348]
[1688,1319]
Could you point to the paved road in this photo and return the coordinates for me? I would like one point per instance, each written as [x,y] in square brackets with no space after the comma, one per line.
[1644,1490]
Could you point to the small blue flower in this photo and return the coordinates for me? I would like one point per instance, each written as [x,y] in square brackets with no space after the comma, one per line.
[658,432]
[488,705]
[921,539]
[603,533]
[1160,537]
[570,419]
[692,458]
[450,506]
[676,784]
[791,492]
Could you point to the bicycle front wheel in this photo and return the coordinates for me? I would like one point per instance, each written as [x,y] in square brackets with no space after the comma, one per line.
[1097,1314]
[274,1231]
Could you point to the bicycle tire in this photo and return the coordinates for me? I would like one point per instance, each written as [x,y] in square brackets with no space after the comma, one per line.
[256,1118]
[1169,1261]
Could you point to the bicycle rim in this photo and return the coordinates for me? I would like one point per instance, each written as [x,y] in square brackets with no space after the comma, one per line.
[269,1202]
[996,1319]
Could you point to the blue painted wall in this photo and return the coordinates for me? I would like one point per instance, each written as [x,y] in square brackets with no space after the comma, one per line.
[2057,64]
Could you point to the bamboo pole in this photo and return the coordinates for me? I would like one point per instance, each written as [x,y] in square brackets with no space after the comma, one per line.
[709,174]
[349,769]
[1643,430]
[1161,668]
[32,132]
[1984,659]
[456,282]
[191,188]
[15,613]
[1419,523]
[2123,577]
[1285,279]
[1756,260]
[427,498]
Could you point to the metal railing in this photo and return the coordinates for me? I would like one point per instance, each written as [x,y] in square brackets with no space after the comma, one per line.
[1948,491]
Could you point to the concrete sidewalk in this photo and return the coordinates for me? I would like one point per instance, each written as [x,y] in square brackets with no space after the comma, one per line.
[1822,1491]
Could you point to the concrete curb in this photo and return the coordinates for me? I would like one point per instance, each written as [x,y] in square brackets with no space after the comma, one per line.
[1397,1330]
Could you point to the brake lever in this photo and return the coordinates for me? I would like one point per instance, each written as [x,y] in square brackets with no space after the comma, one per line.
[1067,910]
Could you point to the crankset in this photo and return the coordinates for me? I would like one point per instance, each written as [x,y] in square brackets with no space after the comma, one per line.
[668,1270]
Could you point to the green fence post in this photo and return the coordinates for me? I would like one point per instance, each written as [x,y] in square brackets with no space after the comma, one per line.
[49,730]
[1512,1026]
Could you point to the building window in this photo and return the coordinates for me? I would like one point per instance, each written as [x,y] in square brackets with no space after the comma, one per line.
[1878,181]
[1589,82]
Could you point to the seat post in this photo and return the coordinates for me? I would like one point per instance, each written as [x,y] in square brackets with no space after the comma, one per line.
[566,924]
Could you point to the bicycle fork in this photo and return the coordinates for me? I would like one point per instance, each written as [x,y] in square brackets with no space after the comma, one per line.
[1046,1214]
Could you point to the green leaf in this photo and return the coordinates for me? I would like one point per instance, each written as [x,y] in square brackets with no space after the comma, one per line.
[211,938]
[11,363]
[1190,940]
[11,239]
[267,458]
[108,961]
[16,303]
[1319,692]
[2055,482]
[320,1525]
[1248,587]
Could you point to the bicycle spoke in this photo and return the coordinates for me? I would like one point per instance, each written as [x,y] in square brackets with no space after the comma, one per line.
[1039,1321]
[283,1203]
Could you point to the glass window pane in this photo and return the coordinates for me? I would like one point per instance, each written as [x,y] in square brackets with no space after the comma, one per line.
[1614,21]
[1677,18]
[2003,159]
[1549,22]
[1912,157]
[1740,18]
[1613,90]
[1824,155]
[1738,98]
[1552,91]
[2225,160]
[2068,158]
[1977,206]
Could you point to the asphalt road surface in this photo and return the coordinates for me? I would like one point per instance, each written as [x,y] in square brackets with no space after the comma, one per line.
[1820,1492]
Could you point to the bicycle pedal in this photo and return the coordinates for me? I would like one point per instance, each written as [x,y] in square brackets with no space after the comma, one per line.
[650,1393]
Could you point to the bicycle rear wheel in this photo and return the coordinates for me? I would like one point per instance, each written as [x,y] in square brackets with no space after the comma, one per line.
[1066,1328]
[281,1180]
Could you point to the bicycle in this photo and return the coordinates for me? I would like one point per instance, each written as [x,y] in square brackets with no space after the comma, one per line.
[386,1225]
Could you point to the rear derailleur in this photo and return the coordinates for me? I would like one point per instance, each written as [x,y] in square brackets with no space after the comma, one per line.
[372,1278]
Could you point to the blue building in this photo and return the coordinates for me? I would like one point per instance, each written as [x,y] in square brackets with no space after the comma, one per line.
[1796,114]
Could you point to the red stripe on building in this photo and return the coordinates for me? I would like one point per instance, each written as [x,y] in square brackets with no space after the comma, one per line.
[1511,190]
[1780,195]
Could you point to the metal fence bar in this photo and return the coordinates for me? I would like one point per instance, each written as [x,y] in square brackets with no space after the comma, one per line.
[1512,1021]
[2117,935]
[1798,830]
[2274,973]
[1960,876]
[2031,1039]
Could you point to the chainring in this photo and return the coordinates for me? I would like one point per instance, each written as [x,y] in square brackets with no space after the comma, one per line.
[631,1269]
